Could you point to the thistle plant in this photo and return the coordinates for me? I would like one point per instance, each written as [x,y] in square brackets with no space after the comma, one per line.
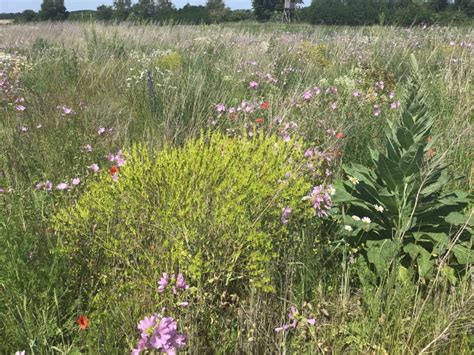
[397,210]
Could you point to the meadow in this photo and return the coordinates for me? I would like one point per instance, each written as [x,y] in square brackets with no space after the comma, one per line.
[244,188]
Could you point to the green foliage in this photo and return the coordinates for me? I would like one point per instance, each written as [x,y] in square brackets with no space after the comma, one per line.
[410,215]
[211,209]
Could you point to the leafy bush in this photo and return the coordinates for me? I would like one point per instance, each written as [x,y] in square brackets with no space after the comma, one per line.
[398,209]
[211,210]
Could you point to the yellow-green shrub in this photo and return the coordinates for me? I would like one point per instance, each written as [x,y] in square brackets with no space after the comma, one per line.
[210,209]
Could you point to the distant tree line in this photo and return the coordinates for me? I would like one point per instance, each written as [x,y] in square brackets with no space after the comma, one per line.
[331,12]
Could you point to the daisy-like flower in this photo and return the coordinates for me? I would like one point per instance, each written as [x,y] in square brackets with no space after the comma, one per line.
[356,218]
[348,228]
[366,220]
[378,208]
[331,190]
[353,180]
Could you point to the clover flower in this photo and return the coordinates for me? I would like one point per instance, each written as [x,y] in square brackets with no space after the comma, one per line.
[348,228]
[180,282]
[366,220]
[394,105]
[76,181]
[356,218]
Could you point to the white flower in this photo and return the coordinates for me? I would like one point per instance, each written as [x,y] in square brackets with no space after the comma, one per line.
[354,180]
[366,220]
[378,208]
[356,218]
[348,228]
[331,190]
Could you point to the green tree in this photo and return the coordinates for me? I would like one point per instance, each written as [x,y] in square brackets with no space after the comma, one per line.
[53,10]
[104,13]
[28,16]
[122,9]
[217,10]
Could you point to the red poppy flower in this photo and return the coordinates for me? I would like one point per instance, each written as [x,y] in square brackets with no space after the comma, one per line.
[83,322]
[265,105]
[259,120]
[113,170]
[340,135]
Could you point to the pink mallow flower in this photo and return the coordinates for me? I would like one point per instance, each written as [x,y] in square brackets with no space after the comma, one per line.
[62,186]
[253,85]
[76,181]
[94,167]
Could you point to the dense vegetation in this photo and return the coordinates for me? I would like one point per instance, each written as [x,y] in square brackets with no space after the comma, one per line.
[353,12]
[240,188]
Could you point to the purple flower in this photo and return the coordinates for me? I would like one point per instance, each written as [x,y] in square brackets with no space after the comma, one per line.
[88,148]
[101,131]
[355,94]
[67,110]
[285,214]
[20,108]
[286,136]
[39,186]
[220,108]
[2,190]
[76,181]
[94,168]
[19,100]
[253,85]
[377,110]
[48,185]
[307,95]
[321,200]
[282,328]
[62,186]
[180,283]
[163,282]
[146,324]
[379,85]
[311,321]
[334,106]
[394,105]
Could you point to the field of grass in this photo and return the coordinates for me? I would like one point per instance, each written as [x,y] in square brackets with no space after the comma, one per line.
[189,172]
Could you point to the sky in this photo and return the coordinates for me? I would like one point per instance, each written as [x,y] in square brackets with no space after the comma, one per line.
[72,5]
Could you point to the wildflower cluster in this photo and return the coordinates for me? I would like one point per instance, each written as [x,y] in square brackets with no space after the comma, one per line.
[159,333]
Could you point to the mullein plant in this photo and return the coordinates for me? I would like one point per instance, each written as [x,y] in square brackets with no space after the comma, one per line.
[397,213]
